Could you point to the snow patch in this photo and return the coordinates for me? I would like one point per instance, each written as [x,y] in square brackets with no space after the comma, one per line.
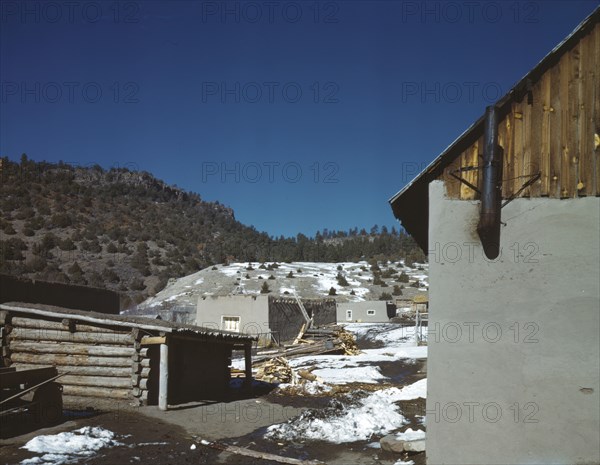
[68,447]
[411,435]
[375,414]
[365,374]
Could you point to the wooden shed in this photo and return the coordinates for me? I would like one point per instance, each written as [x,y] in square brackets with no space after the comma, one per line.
[115,359]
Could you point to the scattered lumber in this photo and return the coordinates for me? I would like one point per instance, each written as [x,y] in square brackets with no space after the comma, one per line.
[316,342]
[276,370]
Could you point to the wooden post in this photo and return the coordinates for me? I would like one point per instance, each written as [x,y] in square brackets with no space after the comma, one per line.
[163,383]
[248,364]
[417,325]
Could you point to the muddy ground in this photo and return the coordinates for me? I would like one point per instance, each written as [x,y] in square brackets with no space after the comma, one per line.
[148,435]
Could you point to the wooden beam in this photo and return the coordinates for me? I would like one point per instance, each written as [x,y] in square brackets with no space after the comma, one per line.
[31,334]
[63,359]
[66,324]
[163,381]
[258,455]
[248,365]
[149,340]
[90,319]
[81,370]
[96,381]
[71,349]
[102,392]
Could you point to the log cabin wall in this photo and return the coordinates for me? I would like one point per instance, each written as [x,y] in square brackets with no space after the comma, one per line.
[103,363]
[553,128]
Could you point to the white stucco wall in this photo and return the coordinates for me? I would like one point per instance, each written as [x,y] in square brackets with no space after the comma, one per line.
[519,383]
[252,310]
[360,311]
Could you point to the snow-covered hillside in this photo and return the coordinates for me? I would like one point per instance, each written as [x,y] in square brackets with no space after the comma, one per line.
[307,279]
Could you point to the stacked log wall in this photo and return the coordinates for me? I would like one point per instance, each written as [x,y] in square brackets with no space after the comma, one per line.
[98,362]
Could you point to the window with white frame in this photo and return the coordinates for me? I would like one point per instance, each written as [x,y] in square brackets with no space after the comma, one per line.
[371,312]
[230,323]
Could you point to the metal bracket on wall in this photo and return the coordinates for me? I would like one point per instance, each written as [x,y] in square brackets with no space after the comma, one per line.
[464,181]
[533,178]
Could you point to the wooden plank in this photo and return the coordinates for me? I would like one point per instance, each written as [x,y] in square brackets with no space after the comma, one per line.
[502,141]
[545,97]
[585,177]
[15,378]
[63,325]
[565,168]
[464,190]
[30,334]
[151,340]
[555,122]
[526,166]
[596,112]
[104,393]
[71,349]
[574,121]
[508,155]
[129,403]
[64,359]
[536,117]
[519,130]
[474,160]
[258,455]
[452,184]
[83,370]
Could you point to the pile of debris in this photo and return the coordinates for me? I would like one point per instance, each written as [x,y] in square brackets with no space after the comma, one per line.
[348,342]
[275,370]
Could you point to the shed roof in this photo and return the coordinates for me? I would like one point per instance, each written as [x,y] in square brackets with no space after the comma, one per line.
[411,204]
[139,322]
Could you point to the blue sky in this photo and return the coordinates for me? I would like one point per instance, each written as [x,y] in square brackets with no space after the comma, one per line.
[299,115]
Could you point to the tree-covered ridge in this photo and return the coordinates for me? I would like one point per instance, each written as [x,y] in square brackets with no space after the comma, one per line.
[128,231]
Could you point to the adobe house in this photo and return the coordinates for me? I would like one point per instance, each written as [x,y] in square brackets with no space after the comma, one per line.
[369,311]
[509,215]
[114,361]
[269,318]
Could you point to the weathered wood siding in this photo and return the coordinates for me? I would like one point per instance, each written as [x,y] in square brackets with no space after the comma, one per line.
[554,129]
